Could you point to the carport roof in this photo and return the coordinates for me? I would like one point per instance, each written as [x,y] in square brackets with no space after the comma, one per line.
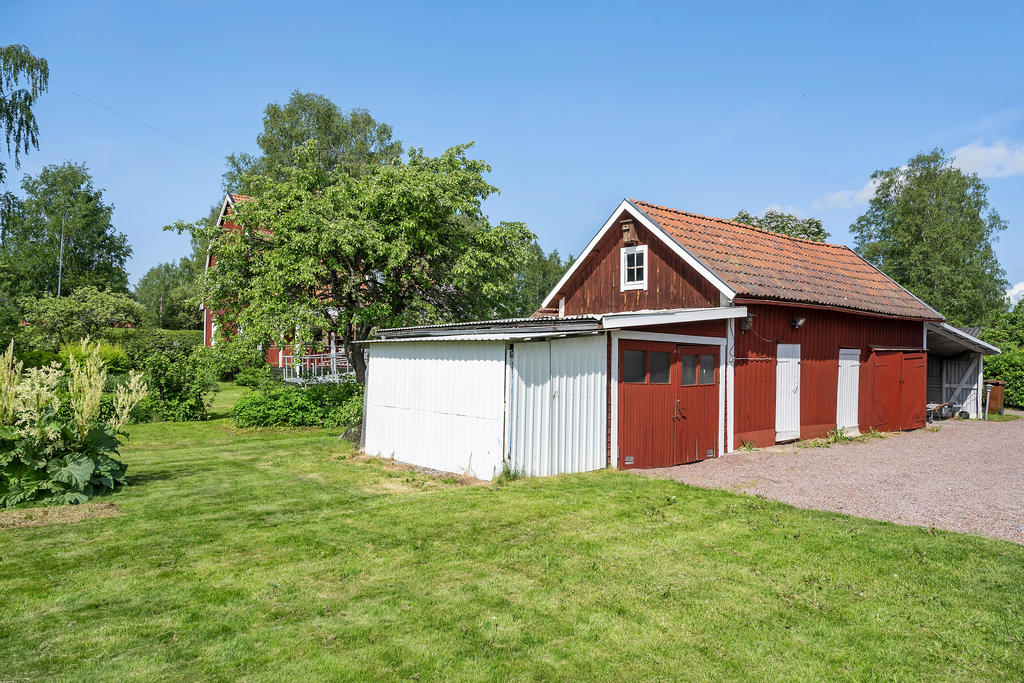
[950,340]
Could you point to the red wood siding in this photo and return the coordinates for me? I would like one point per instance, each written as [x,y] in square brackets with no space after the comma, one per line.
[671,283]
[820,339]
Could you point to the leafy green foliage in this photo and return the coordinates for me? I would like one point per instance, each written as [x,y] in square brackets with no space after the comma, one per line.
[56,445]
[83,314]
[139,343]
[254,376]
[61,198]
[1008,367]
[350,143]
[230,357]
[785,224]
[1006,329]
[537,274]
[180,384]
[337,404]
[17,120]
[166,294]
[398,244]
[930,227]
[114,358]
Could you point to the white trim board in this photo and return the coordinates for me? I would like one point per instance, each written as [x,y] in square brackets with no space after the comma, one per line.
[659,232]
[723,372]
[611,321]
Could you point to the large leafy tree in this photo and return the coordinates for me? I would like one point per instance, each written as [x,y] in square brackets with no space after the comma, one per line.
[930,228]
[23,78]
[166,293]
[83,313]
[398,244]
[785,224]
[352,141]
[537,274]
[30,240]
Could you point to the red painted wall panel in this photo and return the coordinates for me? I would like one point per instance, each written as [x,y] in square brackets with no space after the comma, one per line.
[820,339]
[671,283]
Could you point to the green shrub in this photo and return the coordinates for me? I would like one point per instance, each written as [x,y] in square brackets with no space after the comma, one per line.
[37,358]
[179,384]
[317,405]
[60,450]
[115,359]
[227,359]
[139,343]
[254,377]
[1008,367]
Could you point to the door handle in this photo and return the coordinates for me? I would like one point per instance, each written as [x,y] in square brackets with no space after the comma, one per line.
[678,412]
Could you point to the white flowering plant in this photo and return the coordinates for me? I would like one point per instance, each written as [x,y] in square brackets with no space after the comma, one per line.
[47,456]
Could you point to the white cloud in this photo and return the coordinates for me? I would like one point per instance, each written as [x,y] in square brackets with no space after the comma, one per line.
[1015,293]
[997,160]
[845,199]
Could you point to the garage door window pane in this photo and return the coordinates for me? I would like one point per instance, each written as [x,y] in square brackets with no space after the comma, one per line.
[633,366]
[707,369]
[688,364]
[660,363]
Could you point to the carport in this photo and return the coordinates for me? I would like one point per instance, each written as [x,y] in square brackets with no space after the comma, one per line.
[955,367]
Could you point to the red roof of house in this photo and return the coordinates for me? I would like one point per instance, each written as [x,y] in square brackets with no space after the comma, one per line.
[235,198]
[766,265]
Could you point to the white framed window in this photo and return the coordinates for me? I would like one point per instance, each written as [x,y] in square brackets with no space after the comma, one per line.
[633,268]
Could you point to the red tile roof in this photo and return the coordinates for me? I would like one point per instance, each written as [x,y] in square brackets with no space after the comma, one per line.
[235,198]
[765,265]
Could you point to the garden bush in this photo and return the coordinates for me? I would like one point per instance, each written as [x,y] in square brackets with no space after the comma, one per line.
[139,343]
[114,357]
[55,455]
[316,405]
[227,359]
[179,384]
[1008,367]
[254,377]
[37,358]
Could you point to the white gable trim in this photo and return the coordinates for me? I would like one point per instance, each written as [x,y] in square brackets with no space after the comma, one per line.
[659,232]
[223,209]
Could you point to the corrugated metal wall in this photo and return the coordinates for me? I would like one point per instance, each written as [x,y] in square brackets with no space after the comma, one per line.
[438,404]
[557,406]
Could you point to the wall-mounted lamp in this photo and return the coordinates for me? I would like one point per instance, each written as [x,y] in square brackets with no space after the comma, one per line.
[747,323]
[798,323]
[629,232]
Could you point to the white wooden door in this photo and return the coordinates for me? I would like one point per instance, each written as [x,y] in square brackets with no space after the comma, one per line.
[787,392]
[848,391]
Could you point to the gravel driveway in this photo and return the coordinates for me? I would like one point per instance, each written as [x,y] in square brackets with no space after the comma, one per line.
[969,476]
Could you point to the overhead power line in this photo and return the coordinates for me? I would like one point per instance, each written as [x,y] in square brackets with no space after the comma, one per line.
[141,123]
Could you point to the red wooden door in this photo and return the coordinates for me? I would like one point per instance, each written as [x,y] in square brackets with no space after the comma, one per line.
[887,367]
[696,415]
[914,388]
[646,404]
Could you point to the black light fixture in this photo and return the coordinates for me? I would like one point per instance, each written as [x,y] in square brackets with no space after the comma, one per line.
[747,323]
[798,323]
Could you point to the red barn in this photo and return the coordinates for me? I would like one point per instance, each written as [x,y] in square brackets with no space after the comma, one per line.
[704,334]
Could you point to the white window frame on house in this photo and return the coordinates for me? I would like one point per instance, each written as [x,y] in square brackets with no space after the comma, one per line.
[625,286]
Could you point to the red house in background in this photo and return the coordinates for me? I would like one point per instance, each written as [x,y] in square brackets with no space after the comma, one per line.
[705,334]
[324,362]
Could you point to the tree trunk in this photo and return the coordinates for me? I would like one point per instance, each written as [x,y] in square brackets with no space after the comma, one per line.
[357,359]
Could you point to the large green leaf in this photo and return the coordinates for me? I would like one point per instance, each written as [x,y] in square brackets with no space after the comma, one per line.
[19,483]
[8,433]
[73,470]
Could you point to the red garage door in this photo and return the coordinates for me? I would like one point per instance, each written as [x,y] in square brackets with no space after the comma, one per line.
[898,385]
[668,403]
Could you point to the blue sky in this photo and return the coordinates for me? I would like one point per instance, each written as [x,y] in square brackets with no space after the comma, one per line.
[703,108]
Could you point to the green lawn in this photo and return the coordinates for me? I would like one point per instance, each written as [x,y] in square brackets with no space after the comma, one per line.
[272,555]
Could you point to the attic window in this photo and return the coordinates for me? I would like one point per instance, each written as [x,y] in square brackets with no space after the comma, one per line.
[633,268]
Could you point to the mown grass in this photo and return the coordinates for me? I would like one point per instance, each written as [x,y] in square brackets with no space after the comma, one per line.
[274,555]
